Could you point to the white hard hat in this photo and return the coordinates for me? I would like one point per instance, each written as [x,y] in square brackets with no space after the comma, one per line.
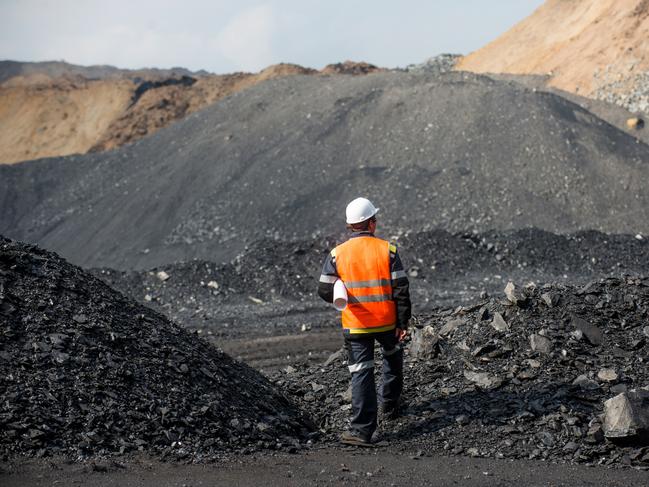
[359,210]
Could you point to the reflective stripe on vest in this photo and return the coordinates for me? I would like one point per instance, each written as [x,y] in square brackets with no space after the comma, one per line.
[363,264]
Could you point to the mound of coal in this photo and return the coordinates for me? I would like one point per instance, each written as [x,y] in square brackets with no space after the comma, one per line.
[498,379]
[87,371]
[254,291]
[455,151]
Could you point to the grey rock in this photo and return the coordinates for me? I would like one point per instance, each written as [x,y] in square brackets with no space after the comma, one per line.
[626,417]
[571,446]
[514,295]
[607,375]
[540,343]
[499,323]
[546,438]
[462,419]
[473,452]
[424,343]
[347,395]
[586,383]
[547,299]
[592,333]
[337,355]
[162,275]
[535,364]
[595,434]
[450,327]
[483,380]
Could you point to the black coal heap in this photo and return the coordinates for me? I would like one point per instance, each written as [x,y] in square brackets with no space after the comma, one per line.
[88,371]
[522,376]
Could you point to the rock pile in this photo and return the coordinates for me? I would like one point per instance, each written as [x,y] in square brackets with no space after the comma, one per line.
[262,164]
[442,63]
[87,371]
[523,379]
[445,269]
[630,91]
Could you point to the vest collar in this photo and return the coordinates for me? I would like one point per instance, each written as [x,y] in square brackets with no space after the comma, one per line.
[361,234]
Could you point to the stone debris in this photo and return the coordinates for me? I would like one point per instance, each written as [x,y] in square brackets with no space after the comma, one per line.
[592,333]
[514,295]
[482,379]
[162,275]
[499,323]
[607,375]
[540,343]
[450,327]
[440,64]
[533,392]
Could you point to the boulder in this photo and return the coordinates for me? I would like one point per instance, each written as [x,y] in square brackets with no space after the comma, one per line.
[424,343]
[626,417]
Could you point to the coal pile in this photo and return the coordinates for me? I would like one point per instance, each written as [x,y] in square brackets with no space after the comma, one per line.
[255,289]
[454,151]
[523,375]
[87,371]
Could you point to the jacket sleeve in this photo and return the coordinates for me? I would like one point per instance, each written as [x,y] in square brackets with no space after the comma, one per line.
[400,289]
[328,277]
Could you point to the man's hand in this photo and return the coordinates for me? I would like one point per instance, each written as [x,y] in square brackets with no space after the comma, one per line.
[400,333]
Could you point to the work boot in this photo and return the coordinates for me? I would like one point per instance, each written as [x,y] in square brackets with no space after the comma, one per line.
[354,438]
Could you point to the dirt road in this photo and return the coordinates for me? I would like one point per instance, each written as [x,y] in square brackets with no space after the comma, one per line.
[329,466]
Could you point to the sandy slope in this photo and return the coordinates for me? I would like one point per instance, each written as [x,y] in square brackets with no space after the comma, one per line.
[43,117]
[581,44]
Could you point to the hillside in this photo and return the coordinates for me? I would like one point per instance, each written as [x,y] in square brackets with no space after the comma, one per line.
[457,151]
[57,69]
[57,109]
[597,48]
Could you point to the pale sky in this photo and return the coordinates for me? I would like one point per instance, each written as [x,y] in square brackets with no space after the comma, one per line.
[247,35]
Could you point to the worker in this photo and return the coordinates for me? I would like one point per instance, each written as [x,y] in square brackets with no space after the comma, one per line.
[378,308]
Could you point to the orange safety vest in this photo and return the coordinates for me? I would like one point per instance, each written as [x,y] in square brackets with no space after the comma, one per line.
[363,264]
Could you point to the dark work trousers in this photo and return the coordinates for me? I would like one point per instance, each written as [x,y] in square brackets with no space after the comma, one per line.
[360,351]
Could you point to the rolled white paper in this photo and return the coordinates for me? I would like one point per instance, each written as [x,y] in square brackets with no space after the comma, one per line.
[340,295]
